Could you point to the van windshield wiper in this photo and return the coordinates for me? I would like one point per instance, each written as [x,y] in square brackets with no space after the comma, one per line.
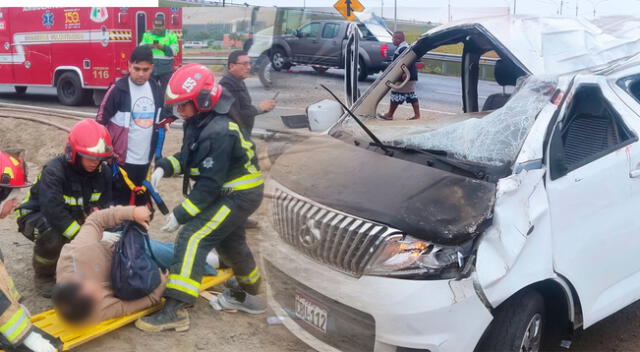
[360,123]
[439,155]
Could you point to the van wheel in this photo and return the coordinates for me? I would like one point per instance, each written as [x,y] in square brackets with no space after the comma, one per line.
[279,60]
[518,325]
[363,73]
[20,89]
[70,90]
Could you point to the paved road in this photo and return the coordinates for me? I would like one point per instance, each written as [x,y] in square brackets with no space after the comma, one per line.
[298,89]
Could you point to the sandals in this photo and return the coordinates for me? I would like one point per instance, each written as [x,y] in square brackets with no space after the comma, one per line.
[383,117]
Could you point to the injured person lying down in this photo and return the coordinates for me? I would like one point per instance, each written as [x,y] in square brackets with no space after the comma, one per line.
[83,291]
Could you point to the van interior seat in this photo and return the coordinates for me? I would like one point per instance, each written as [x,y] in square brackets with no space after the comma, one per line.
[587,135]
[506,74]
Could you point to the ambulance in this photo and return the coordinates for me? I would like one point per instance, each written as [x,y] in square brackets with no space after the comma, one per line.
[80,51]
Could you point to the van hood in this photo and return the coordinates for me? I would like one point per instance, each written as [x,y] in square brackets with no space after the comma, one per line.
[422,201]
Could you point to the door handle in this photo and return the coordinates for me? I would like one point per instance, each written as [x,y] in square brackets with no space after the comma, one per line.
[634,173]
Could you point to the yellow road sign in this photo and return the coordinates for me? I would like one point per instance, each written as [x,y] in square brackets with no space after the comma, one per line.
[348,7]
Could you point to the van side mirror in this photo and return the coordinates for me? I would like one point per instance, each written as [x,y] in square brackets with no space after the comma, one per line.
[323,114]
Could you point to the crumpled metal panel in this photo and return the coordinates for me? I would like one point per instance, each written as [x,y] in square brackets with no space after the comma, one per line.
[422,201]
[559,45]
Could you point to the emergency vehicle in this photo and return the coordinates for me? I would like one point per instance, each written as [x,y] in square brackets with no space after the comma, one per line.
[80,50]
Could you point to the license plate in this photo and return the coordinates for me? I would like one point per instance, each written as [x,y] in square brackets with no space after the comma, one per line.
[312,314]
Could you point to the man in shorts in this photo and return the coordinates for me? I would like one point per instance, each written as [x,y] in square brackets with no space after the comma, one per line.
[406,93]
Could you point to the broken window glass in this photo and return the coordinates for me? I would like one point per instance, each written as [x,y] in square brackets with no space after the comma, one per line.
[493,139]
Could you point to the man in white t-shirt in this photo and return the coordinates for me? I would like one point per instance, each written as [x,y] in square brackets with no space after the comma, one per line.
[131,110]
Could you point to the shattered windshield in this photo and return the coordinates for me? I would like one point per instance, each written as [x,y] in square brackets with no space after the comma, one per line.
[493,139]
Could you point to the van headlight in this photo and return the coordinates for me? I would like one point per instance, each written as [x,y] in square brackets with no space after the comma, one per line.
[408,257]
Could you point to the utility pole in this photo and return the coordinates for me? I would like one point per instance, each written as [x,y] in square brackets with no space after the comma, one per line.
[395,15]
[449,13]
[381,8]
[561,6]
[515,3]
[577,2]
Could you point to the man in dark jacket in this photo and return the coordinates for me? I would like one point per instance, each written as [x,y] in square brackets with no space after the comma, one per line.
[69,188]
[228,188]
[242,111]
[130,110]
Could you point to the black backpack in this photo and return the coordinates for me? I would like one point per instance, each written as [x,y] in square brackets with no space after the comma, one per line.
[134,273]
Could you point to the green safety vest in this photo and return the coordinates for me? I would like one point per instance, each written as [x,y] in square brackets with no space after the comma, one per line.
[162,59]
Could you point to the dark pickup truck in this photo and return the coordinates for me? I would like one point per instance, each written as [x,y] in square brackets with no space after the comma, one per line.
[321,45]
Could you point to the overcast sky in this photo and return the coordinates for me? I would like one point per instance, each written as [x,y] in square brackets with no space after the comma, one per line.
[419,9]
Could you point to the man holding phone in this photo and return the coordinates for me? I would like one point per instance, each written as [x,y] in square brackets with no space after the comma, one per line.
[164,44]
[243,111]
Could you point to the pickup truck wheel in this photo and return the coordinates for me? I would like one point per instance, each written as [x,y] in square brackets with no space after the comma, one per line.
[20,89]
[363,72]
[320,69]
[70,91]
[518,325]
[279,60]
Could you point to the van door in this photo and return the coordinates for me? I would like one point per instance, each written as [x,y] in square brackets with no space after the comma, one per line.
[592,207]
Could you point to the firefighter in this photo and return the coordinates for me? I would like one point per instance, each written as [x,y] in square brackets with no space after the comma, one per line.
[165,46]
[68,189]
[15,326]
[228,188]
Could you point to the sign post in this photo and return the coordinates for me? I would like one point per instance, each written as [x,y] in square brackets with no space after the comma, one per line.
[348,7]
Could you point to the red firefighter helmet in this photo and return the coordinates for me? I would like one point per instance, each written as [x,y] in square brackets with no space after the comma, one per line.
[13,172]
[193,82]
[88,139]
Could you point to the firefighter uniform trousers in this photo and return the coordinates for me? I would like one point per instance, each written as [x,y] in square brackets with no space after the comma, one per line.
[220,226]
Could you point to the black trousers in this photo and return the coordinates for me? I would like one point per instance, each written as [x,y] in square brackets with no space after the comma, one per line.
[122,192]
[48,243]
[220,226]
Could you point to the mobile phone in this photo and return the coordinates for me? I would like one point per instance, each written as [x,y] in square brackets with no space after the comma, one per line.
[276,95]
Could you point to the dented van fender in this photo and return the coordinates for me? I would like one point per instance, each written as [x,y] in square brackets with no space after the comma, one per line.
[516,250]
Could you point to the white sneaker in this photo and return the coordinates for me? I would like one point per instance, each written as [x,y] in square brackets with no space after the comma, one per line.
[251,304]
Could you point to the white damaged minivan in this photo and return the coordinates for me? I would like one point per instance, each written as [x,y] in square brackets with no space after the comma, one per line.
[503,227]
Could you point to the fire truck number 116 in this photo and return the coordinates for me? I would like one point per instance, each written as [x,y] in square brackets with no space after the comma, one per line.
[102,74]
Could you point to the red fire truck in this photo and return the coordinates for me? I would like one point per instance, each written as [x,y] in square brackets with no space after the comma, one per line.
[80,51]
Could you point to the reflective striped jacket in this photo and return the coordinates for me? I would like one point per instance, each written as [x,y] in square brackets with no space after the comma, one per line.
[162,59]
[217,156]
[66,194]
[14,319]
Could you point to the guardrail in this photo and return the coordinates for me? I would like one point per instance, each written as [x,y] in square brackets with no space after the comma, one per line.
[205,60]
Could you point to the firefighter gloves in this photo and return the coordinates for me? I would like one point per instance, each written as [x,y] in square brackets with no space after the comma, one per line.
[172,224]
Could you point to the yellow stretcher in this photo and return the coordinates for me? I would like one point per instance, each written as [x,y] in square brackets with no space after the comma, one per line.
[74,337]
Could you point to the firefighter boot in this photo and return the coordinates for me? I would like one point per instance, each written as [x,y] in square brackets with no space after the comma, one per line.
[172,316]
[240,300]
[44,276]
